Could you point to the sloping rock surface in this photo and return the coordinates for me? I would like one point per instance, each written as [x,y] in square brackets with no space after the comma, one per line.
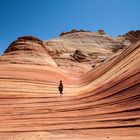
[102,104]
[89,42]
[94,44]
[27,50]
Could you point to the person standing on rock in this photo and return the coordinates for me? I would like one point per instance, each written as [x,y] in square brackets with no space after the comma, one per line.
[60,87]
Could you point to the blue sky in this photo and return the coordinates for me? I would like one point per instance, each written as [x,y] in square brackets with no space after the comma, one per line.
[46,19]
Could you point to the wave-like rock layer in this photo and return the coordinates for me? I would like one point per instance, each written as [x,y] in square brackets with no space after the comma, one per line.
[27,50]
[102,104]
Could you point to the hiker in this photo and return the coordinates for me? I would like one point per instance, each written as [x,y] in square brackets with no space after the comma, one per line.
[60,87]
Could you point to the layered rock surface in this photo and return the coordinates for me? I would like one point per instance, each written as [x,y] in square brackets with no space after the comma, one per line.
[133,36]
[95,45]
[102,104]
[89,42]
[27,50]
[130,37]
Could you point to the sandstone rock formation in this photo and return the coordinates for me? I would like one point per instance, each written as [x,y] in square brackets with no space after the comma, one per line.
[102,104]
[94,44]
[133,36]
[129,38]
[73,31]
[27,44]
[27,50]
[80,56]
[101,32]
[90,42]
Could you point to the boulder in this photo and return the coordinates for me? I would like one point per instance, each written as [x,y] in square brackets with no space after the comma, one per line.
[93,65]
[80,56]
[102,58]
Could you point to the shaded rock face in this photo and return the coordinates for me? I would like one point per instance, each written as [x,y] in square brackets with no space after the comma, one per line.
[80,56]
[73,31]
[129,38]
[27,50]
[101,32]
[133,36]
